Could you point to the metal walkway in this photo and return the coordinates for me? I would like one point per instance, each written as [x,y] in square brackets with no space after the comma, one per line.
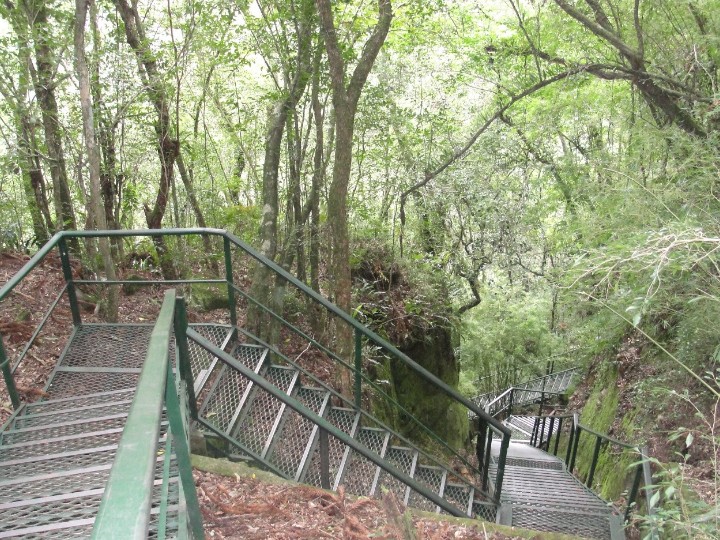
[56,454]
[540,494]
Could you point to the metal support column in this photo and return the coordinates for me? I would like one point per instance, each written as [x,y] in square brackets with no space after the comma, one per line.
[358,369]
[67,273]
[180,323]
[8,376]
[229,278]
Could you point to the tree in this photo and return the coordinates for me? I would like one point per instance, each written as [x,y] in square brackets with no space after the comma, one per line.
[345,101]
[96,209]
[168,145]
[30,22]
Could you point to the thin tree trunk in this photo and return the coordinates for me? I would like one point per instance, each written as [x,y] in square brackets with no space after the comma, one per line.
[345,101]
[168,147]
[95,208]
[199,217]
[105,130]
[295,87]
[45,91]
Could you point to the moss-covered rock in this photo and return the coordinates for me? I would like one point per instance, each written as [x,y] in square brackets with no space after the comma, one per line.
[207,297]
[424,400]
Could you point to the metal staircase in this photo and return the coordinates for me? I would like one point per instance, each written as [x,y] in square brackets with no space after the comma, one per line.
[543,491]
[259,425]
[105,452]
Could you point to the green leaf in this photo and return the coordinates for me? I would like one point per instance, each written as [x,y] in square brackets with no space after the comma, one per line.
[689,440]
[654,499]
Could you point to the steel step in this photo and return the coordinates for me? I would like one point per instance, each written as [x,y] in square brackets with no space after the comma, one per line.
[346,420]
[65,429]
[403,459]
[434,479]
[71,413]
[295,437]
[262,413]
[76,402]
[357,473]
[228,390]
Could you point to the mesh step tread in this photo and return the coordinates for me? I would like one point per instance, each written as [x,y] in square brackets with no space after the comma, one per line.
[57,483]
[358,473]
[459,495]
[74,402]
[432,478]
[262,412]
[81,413]
[294,437]
[562,520]
[229,389]
[405,460]
[66,429]
[346,420]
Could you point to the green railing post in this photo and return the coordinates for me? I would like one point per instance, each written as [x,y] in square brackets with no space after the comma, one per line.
[229,279]
[67,273]
[633,491]
[504,444]
[182,452]
[180,325]
[8,376]
[593,465]
[358,368]
[575,442]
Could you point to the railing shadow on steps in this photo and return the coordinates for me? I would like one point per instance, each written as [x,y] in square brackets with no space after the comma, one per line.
[368,345]
[127,501]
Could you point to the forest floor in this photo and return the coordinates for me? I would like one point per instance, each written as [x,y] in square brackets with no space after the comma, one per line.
[233,506]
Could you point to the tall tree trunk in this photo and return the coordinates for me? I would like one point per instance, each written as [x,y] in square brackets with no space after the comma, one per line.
[95,208]
[295,87]
[105,131]
[168,147]
[345,101]
[44,84]
[29,156]
[317,319]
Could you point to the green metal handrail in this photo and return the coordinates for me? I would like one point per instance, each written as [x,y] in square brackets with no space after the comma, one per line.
[127,500]
[277,269]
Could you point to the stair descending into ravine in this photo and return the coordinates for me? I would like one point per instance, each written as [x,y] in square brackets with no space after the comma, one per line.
[261,427]
[542,495]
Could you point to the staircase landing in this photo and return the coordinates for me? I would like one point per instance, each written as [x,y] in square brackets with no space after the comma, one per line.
[56,454]
[542,495]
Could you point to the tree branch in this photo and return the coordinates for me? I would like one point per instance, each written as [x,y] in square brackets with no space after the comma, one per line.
[608,35]
[370,50]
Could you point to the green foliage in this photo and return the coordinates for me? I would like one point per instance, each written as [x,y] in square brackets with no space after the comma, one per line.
[242,221]
[505,340]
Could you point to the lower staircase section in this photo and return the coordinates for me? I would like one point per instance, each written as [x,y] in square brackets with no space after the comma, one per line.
[55,458]
[540,494]
[253,423]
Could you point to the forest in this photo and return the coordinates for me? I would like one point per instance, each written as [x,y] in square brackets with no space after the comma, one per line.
[528,184]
